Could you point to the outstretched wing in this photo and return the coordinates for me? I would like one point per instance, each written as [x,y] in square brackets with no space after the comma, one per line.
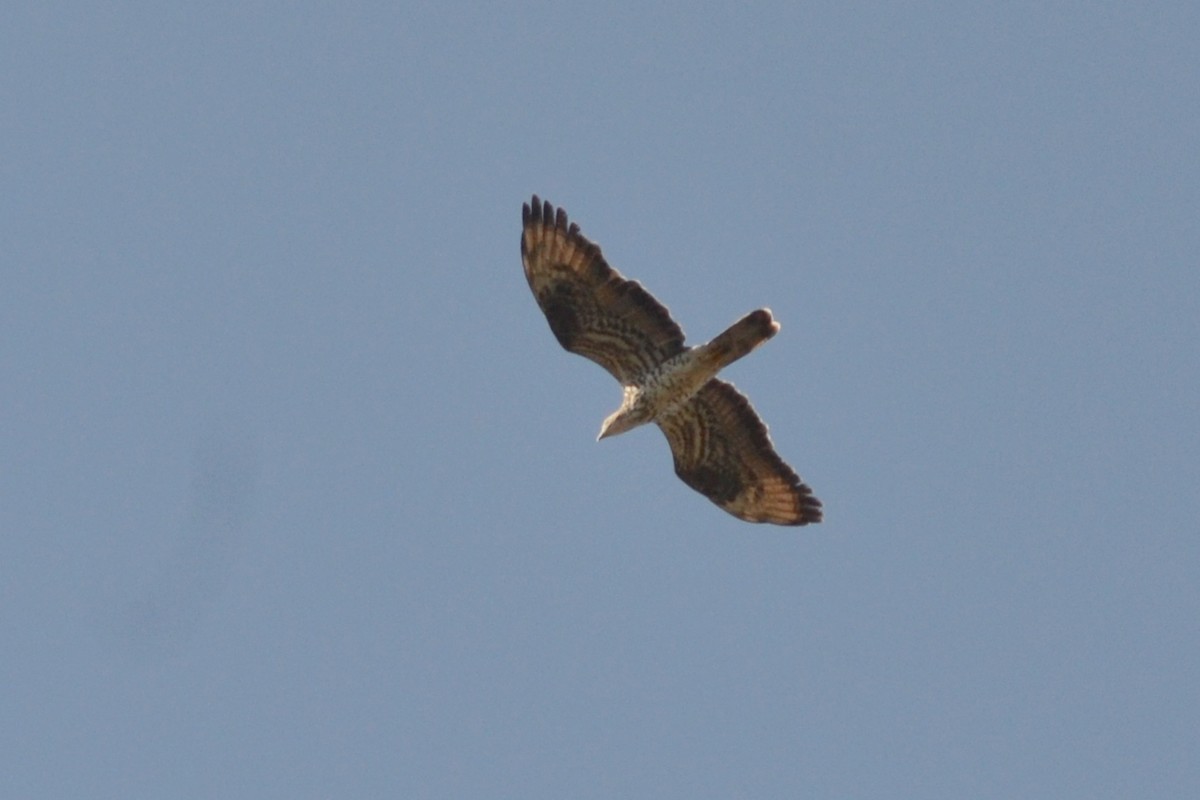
[592,310]
[722,450]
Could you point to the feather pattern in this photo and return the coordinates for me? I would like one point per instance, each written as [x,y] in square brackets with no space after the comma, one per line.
[591,308]
[722,450]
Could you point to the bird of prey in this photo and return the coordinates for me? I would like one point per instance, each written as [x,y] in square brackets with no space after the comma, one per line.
[720,446]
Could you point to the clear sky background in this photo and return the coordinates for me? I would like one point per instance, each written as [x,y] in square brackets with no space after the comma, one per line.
[300,498]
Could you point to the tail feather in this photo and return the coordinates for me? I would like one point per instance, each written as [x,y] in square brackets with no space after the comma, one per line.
[741,337]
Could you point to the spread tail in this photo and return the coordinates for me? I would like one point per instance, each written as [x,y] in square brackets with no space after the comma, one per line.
[742,336]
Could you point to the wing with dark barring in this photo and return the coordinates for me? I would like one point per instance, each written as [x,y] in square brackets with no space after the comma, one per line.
[722,450]
[591,308]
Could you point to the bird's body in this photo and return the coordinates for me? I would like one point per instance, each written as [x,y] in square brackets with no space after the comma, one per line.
[663,390]
[720,446]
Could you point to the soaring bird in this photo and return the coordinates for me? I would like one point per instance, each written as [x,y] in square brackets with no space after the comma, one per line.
[720,446]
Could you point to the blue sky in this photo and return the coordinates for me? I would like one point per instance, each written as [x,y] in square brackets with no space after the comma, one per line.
[300,498]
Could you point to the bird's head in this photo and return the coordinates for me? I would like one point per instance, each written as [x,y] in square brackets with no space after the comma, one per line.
[618,422]
[621,420]
[632,413]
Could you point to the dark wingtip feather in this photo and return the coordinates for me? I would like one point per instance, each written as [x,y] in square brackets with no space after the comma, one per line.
[810,507]
[532,212]
[542,212]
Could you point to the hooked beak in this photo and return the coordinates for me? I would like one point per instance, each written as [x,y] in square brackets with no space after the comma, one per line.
[611,427]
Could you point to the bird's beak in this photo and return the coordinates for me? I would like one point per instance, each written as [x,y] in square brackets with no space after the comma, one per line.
[609,428]
[616,423]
